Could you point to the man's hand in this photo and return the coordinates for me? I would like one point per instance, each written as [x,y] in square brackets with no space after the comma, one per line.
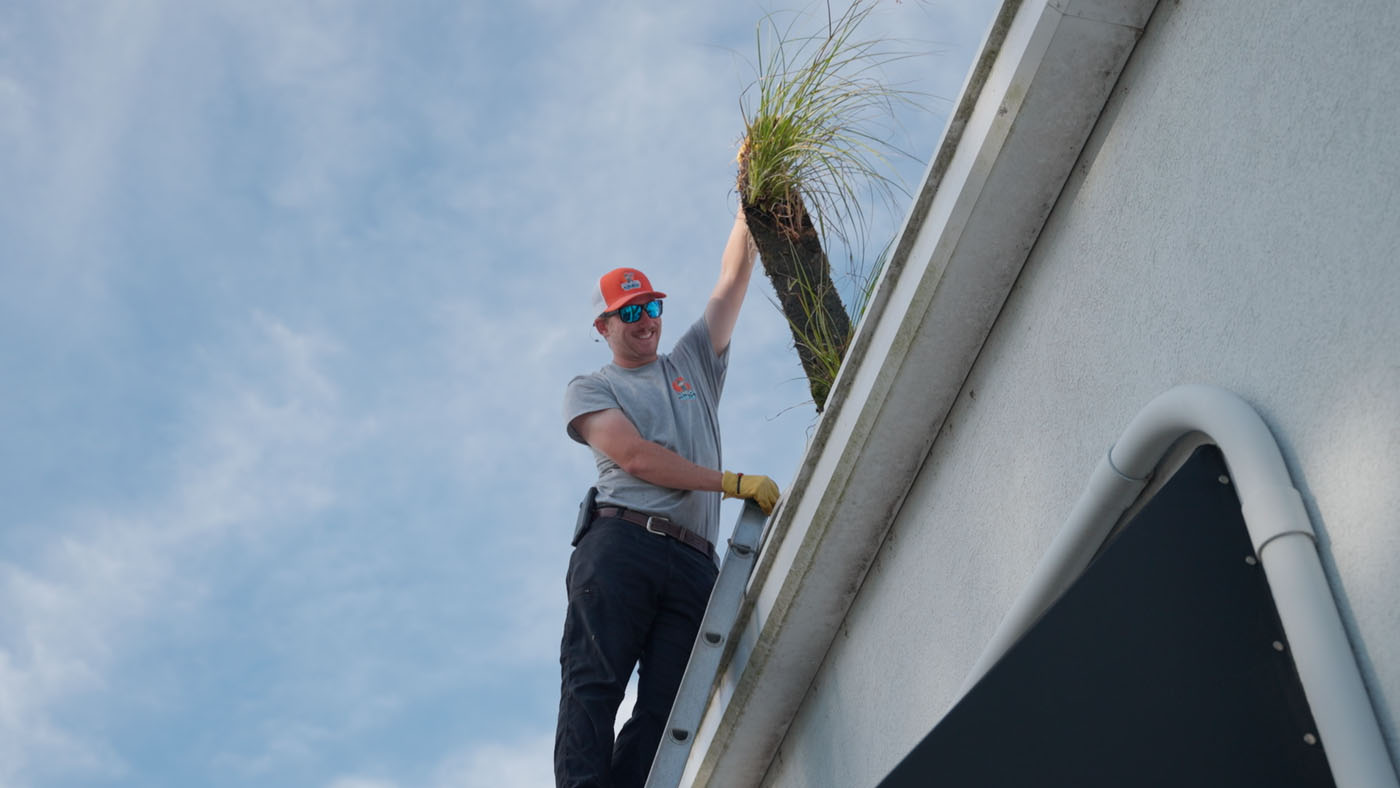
[760,489]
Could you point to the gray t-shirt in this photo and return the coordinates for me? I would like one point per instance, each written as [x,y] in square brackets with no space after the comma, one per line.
[673,401]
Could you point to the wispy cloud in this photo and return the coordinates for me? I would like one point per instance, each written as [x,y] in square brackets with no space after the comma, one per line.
[255,459]
[315,74]
[520,763]
[16,122]
[360,782]
[93,75]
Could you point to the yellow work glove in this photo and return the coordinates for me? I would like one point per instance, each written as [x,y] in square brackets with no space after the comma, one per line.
[760,489]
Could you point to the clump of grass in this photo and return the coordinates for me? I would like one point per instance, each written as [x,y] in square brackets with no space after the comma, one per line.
[816,123]
[815,119]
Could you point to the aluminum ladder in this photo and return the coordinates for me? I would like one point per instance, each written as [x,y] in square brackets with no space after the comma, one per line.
[703,668]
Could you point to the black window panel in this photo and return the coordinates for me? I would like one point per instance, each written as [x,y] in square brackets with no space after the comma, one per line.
[1158,667]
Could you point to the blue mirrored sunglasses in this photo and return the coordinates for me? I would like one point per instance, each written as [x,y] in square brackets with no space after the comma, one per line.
[631,313]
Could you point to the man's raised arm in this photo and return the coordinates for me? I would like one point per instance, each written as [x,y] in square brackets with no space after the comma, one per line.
[736,265]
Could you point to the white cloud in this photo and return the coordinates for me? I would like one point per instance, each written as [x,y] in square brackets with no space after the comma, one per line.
[97,69]
[63,626]
[28,734]
[315,66]
[283,744]
[16,121]
[525,762]
[98,584]
[360,782]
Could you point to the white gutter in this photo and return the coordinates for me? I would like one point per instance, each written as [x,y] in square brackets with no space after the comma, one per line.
[1283,539]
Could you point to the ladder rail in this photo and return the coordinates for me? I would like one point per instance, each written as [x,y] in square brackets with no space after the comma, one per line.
[702,671]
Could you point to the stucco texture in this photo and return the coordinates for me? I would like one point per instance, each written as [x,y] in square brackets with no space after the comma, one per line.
[1232,221]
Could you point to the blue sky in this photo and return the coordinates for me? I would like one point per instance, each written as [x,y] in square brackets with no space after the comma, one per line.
[289,292]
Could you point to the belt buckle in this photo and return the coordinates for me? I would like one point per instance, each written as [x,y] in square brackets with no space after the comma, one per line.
[651,517]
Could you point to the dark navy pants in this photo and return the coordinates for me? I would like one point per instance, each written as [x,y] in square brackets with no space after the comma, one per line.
[633,596]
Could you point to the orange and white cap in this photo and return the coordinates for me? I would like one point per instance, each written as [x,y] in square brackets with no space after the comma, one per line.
[621,286]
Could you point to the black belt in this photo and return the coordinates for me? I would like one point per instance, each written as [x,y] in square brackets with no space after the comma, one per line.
[660,525]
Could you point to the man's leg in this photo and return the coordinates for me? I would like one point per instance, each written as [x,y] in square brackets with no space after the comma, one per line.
[683,599]
[610,608]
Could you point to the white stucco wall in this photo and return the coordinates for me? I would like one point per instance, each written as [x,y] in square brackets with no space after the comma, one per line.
[1232,221]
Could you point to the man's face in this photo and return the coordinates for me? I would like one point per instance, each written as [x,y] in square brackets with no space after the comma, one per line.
[632,344]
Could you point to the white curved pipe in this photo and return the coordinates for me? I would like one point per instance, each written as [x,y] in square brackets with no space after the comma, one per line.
[1282,536]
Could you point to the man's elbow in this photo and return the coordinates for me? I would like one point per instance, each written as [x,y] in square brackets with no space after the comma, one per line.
[639,461]
[634,462]
[636,466]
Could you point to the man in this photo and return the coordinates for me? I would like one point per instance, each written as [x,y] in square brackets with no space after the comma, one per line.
[640,576]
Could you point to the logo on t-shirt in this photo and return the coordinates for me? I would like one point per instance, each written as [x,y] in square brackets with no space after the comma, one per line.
[682,388]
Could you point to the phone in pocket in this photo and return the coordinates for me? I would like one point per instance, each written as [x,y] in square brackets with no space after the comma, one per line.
[585,515]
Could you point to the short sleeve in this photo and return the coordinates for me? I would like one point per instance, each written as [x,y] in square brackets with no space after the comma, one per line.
[586,394]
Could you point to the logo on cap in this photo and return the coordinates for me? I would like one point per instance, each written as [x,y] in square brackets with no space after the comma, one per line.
[628,283]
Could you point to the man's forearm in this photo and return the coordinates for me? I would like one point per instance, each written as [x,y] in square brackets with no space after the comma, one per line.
[658,465]
[736,265]
[739,250]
